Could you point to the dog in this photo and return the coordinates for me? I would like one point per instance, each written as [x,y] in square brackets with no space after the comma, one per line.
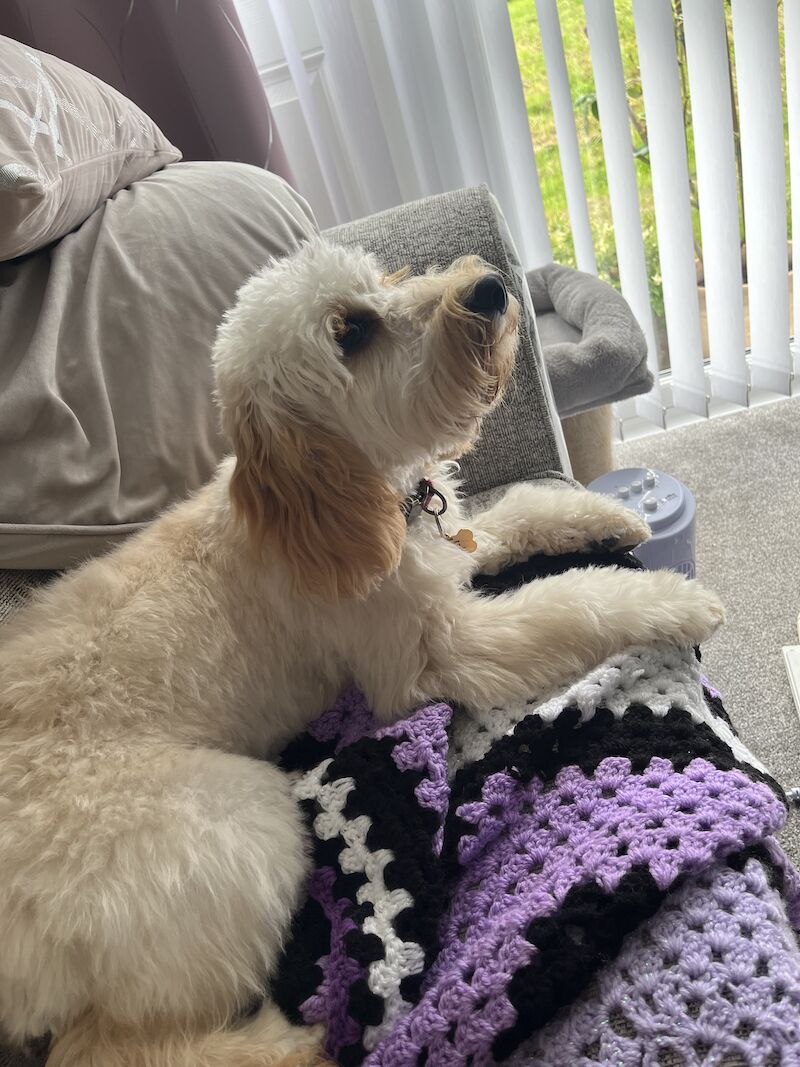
[151,854]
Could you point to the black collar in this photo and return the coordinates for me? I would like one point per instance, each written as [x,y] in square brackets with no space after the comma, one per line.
[423,497]
[427,498]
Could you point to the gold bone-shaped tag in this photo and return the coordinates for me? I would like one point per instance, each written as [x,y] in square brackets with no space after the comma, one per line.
[464,540]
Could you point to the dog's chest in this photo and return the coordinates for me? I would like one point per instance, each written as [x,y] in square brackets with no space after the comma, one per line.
[435,557]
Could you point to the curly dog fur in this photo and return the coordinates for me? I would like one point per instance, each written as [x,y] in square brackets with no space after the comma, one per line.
[152,855]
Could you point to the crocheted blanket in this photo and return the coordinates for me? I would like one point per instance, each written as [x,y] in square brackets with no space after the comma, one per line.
[586,879]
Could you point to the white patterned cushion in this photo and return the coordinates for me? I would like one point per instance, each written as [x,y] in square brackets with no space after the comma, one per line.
[67,142]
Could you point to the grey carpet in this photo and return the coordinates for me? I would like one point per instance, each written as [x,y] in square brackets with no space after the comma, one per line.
[744,470]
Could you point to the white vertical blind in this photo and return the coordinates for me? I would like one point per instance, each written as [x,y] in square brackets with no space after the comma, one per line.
[755,33]
[425,96]
[715,157]
[400,99]
[353,99]
[381,85]
[658,62]
[791,40]
[418,85]
[502,118]
[316,130]
[601,26]
[564,116]
[458,89]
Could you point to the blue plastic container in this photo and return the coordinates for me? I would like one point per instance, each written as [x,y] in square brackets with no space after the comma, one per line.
[667,505]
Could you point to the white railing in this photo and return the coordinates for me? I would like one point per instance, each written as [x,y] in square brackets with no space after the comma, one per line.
[381,101]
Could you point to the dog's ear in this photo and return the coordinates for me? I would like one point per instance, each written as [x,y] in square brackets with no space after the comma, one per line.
[317,501]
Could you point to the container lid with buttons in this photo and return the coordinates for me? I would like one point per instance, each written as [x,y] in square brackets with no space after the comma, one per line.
[659,498]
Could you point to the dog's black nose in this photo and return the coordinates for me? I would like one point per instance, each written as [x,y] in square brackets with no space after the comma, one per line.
[489,297]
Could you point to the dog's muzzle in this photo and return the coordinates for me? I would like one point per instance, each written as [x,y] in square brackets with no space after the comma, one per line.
[489,297]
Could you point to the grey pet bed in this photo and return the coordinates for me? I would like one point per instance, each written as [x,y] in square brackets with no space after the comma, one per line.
[593,346]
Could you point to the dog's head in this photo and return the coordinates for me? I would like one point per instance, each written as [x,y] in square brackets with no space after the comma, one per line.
[337,384]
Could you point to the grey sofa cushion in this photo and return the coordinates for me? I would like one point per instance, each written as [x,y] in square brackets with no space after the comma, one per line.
[106,414]
[522,438]
[594,349]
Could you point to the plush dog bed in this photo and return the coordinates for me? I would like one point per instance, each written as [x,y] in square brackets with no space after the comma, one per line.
[593,347]
[589,878]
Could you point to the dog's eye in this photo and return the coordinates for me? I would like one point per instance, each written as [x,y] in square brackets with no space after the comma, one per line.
[352,332]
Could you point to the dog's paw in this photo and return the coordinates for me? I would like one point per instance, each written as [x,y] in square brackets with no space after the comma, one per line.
[598,522]
[690,613]
[624,530]
[704,616]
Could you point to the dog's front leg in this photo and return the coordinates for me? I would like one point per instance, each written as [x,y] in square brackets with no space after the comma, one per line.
[533,519]
[486,650]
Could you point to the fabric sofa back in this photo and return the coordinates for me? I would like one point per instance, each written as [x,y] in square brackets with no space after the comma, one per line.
[185,64]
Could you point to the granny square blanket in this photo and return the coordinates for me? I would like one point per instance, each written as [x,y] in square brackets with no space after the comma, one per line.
[590,877]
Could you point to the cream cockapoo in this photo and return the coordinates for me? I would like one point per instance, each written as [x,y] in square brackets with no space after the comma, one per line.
[150,854]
